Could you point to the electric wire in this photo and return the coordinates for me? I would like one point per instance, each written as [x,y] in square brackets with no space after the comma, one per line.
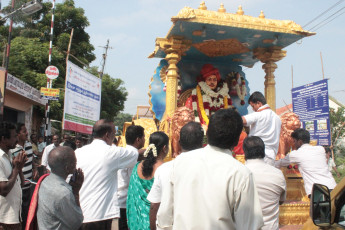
[314,19]
[326,19]
[329,20]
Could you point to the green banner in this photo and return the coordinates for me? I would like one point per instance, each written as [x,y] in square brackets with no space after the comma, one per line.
[81,120]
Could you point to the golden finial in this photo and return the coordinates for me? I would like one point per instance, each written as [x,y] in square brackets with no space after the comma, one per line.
[202,6]
[240,11]
[221,8]
[261,14]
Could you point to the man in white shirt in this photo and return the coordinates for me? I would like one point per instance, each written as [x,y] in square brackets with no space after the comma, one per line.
[11,178]
[100,162]
[311,161]
[191,138]
[209,189]
[269,181]
[41,144]
[330,162]
[48,149]
[265,124]
[135,140]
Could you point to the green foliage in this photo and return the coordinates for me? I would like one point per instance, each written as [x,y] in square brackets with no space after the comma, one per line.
[340,162]
[29,59]
[337,121]
[67,16]
[121,118]
[114,95]
[30,51]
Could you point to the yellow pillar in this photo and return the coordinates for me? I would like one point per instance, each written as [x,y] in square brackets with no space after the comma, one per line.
[269,56]
[171,89]
[174,47]
[270,84]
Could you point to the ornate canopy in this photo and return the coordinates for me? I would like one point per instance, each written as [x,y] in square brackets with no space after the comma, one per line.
[226,37]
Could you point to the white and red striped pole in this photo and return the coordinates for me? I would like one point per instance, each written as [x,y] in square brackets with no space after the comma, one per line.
[49,81]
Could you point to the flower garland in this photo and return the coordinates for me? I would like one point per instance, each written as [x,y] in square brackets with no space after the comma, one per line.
[241,92]
[210,100]
[154,150]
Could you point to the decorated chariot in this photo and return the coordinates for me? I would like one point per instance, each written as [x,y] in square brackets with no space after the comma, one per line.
[203,43]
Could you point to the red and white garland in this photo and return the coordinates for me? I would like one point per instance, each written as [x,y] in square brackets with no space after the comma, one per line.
[212,101]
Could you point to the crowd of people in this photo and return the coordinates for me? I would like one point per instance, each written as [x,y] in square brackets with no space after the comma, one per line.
[103,186]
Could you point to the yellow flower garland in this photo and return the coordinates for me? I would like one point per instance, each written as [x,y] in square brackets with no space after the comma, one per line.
[201,104]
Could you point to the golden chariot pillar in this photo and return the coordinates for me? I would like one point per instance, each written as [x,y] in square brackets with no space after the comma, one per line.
[269,56]
[174,47]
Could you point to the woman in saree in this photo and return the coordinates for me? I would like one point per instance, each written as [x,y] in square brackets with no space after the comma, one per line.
[138,207]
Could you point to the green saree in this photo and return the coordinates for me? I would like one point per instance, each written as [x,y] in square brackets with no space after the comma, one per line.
[138,207]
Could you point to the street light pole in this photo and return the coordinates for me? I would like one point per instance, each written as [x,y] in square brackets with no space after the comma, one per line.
[27,9]
[7,60]
[9,43]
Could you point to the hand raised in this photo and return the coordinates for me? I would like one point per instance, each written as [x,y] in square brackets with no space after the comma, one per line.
[19,161]
[78,182]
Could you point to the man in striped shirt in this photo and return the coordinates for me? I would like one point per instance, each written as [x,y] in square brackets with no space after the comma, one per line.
[24,144]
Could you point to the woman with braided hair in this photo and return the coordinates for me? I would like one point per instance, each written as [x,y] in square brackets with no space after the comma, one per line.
[138,207]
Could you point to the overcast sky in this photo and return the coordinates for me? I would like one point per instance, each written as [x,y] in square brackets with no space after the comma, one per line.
[132,27]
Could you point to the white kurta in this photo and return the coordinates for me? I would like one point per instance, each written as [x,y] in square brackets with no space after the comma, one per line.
[209,189]
[312,164]
[271,186]
[100,163]
[265,124]
[45,154]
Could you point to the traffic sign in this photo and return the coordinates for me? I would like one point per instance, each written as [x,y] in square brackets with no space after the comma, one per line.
[50,94]
[52,72]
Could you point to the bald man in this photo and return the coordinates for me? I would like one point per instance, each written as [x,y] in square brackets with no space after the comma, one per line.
[100,162]
[58,201]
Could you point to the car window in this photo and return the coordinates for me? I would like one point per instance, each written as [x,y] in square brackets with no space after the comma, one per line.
[342,216]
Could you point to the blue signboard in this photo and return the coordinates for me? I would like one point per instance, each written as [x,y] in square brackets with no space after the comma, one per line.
[310,103]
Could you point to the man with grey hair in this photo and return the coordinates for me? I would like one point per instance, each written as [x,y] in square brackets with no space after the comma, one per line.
[58,201]
[100,162]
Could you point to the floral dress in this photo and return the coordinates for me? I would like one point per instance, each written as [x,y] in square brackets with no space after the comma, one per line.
[138,207]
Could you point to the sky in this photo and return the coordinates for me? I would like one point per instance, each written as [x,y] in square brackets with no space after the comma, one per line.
[132,27]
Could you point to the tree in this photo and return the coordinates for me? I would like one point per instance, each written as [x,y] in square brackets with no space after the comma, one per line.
[29,59]
[30,45]
[337,121]
[67,16]
[121,118]
[114,95]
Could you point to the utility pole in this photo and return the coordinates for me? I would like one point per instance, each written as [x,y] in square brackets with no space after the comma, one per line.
[104,57]
[323,73]
[49,82]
